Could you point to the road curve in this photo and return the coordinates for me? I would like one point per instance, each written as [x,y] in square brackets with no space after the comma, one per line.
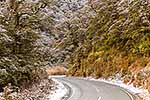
[82,89]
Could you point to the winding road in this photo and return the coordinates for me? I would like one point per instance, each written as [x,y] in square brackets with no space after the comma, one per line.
[82,89]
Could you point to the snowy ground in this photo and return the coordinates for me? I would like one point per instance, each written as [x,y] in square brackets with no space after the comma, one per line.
[60,92]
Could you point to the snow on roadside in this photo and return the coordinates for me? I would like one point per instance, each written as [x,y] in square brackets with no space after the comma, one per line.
[129,87]
[59,93]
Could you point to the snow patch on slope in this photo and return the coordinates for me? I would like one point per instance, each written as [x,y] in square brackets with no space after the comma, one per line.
[59,93]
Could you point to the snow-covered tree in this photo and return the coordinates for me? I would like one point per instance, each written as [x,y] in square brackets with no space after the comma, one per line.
[21,24]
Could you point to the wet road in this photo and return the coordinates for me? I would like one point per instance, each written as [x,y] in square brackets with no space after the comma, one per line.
[82,89]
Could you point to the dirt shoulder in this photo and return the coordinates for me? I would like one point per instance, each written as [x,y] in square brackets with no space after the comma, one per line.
[38,91]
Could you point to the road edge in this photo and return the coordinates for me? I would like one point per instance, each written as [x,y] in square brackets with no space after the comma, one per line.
[69,92]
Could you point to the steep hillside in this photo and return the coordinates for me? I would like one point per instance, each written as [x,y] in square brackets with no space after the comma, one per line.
[116,40]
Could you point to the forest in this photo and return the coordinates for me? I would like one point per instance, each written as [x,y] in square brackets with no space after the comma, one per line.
[98,38]
[111,37]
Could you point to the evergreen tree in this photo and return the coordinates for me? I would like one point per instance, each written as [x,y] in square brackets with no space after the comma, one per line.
[21,23]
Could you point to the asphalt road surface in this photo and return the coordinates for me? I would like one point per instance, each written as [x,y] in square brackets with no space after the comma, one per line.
[82,89]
